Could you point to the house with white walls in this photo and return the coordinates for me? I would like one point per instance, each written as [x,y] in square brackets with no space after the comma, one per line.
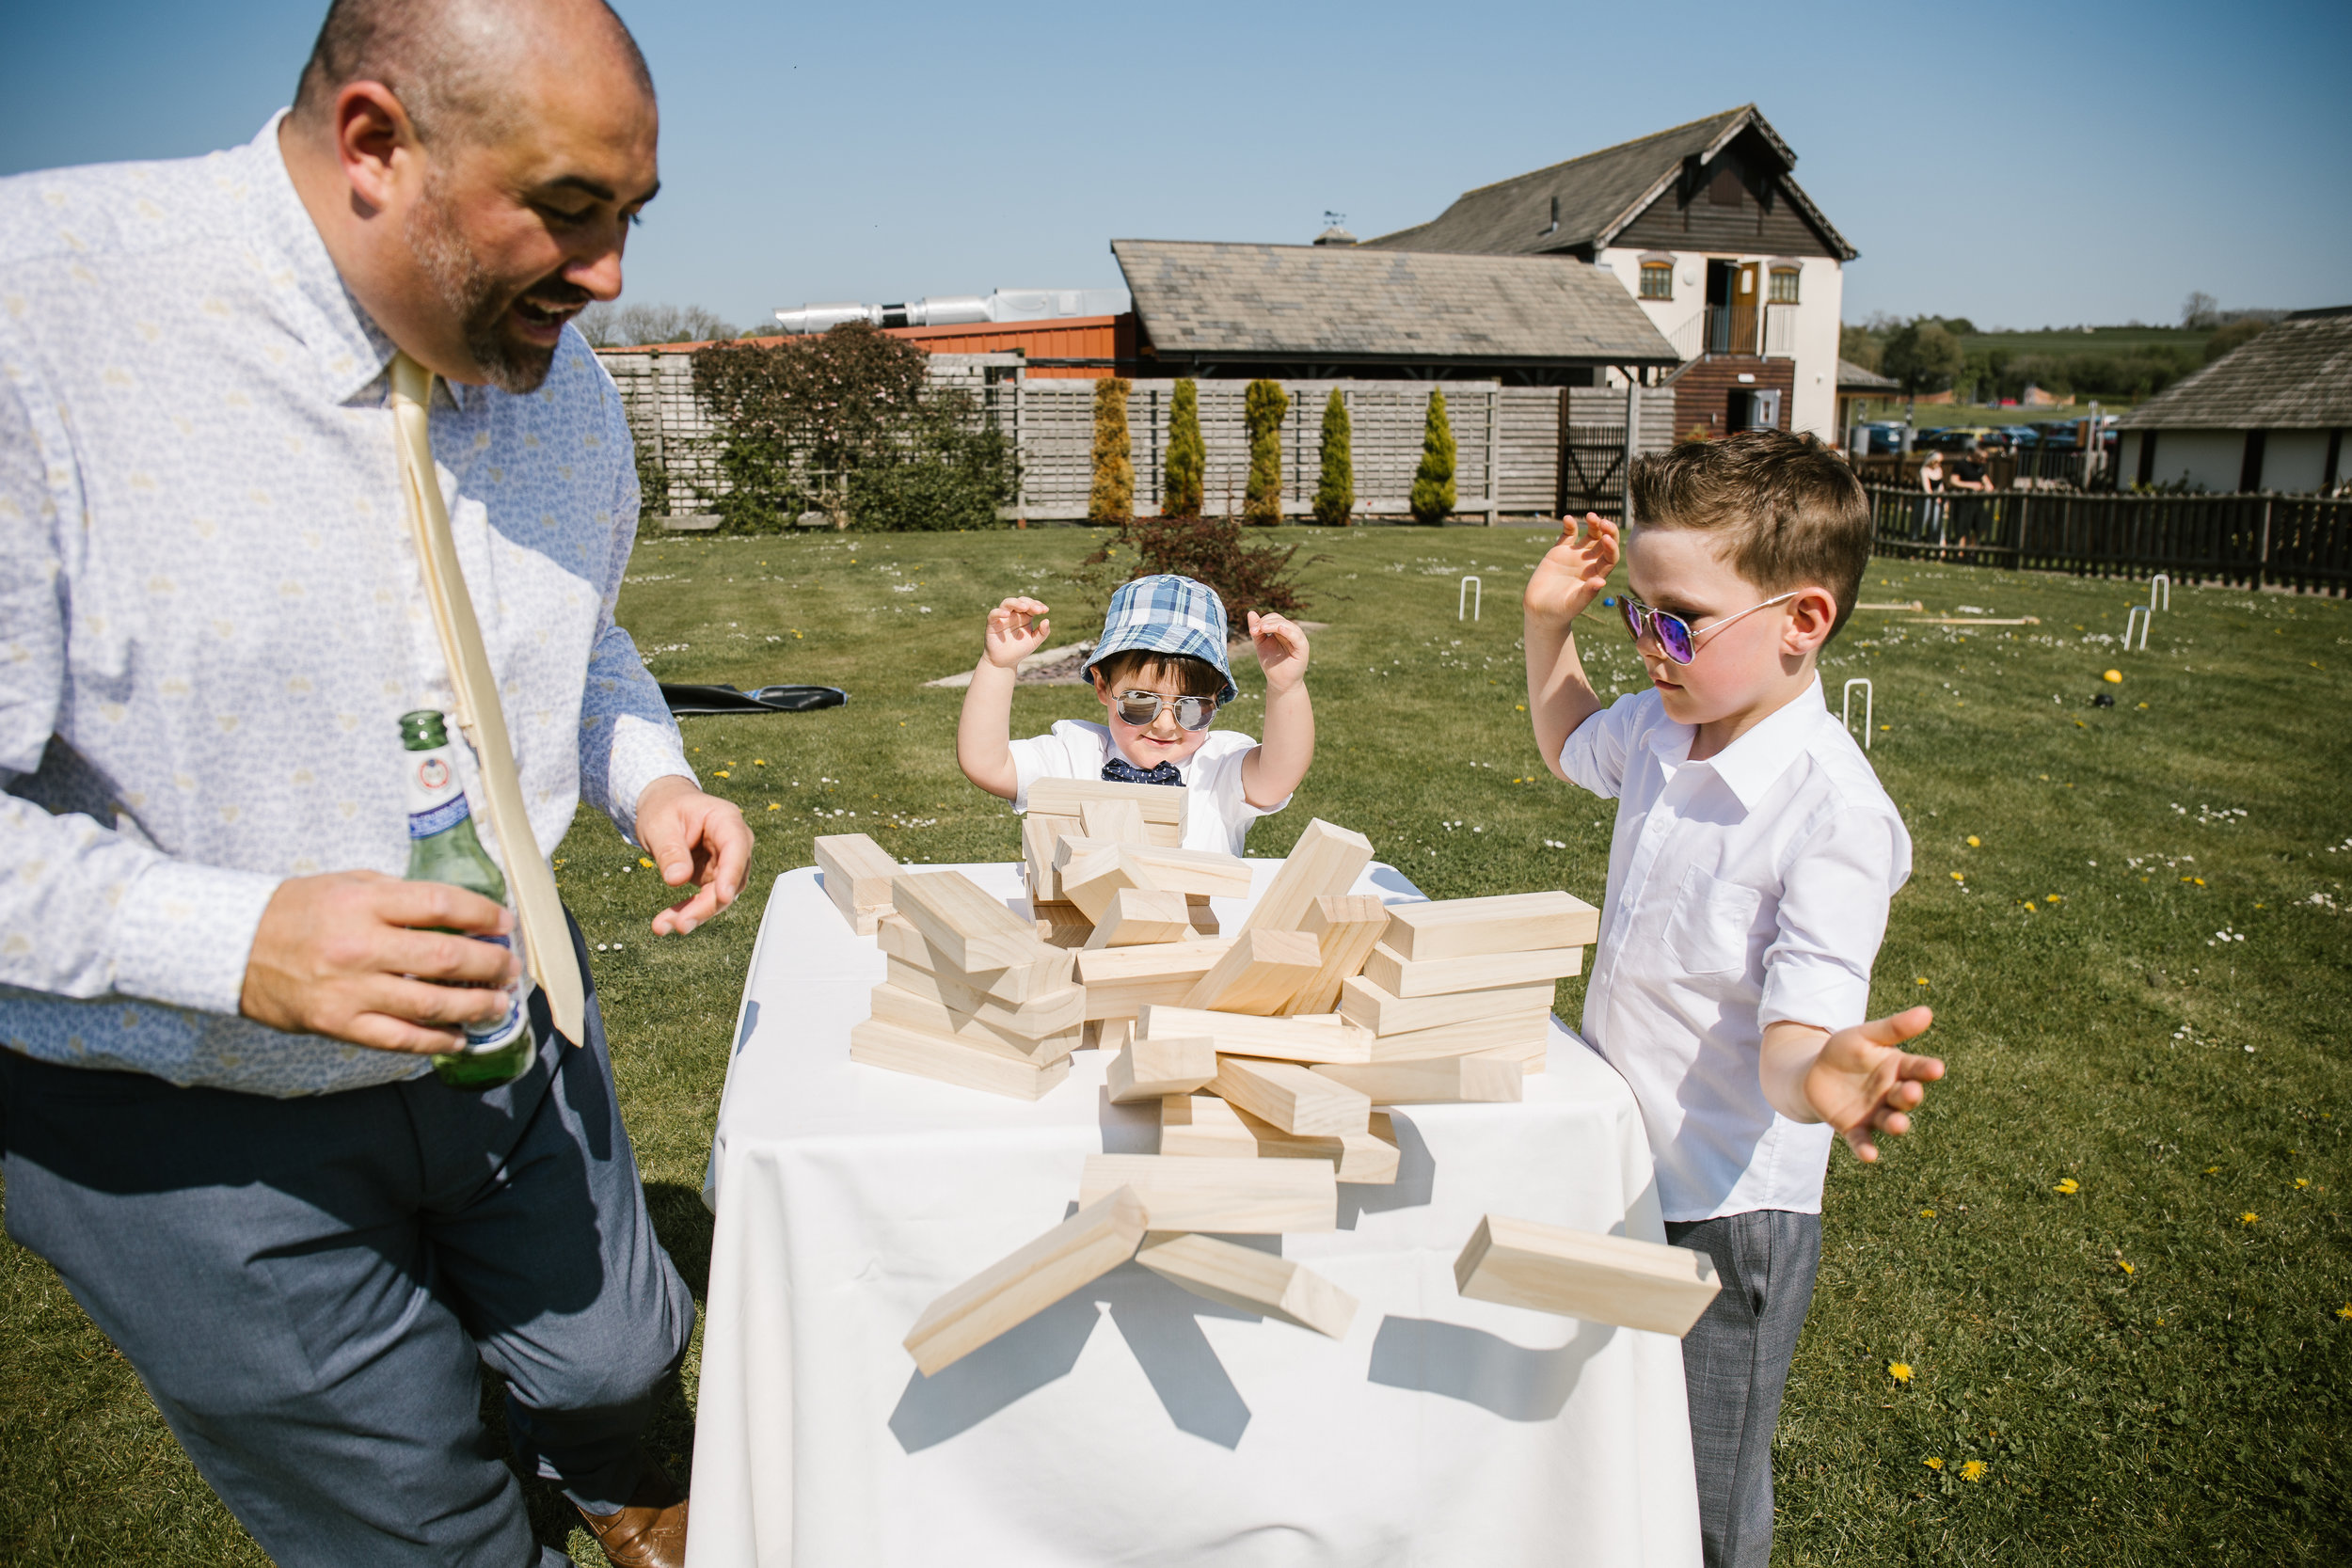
[1705,227]
[2269,415]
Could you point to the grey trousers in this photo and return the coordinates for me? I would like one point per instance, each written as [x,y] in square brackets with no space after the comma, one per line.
[308,1289]
[1735,1361]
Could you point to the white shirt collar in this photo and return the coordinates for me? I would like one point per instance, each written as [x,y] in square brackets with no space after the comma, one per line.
[1755,762]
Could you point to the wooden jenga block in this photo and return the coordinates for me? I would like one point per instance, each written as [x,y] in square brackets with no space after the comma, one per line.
[1113,821]
[1243,1197]
[1111,1035]
[1382,1013]
[1080,1250]
[1121,981]
[1202,1126]
[1433,1080]
[1325,860]
[1533,1057]
[1137,918]
[1047,1013]
[1201,918]
[1255,1281]
[1039,836]
[1091,873]
[1310,1038]
[857,878]
[886,1045]
[1512,923]
[1049,972]
[1163,807]
[1062,925]
[1393,971]
[1188,871]
[1153,1069]
[971,930]
[1515,1033]
[1579,1273]
[1261,970]
[1205,1126]
[1292,1096]
[1345,926]
[922,1014]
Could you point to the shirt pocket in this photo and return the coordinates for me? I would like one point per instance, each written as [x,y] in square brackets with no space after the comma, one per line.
[1707,932]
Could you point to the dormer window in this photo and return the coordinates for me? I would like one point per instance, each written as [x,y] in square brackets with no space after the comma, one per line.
[1657,280]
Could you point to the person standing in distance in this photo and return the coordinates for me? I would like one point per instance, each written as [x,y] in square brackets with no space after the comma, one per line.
[217,998]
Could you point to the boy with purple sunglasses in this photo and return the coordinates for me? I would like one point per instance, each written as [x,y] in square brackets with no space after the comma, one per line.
[1749,877]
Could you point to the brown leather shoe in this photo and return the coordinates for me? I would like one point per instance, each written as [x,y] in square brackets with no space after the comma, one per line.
[649,1532]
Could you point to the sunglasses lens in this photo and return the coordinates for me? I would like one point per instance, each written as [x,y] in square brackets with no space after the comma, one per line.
[1138,708]
[1632,616]
[1193,713]
[1673,636]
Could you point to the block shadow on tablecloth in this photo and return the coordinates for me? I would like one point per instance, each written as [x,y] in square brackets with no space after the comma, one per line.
[1515,1382]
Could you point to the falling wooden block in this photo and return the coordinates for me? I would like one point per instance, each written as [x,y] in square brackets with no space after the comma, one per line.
[1382,1013]
[1080,1250]
[1136,917]
[972,929]
[1258,974]
[1393,971]
[1292,1096]
[1512,923]
[1579,1273]
[923,1014]
[1153,1069]
[1346,926]
[1255,1281]
[1245,1198]
[1039,835]
[1521,1034]
[1062,925]
[1113,821]
[1325,860]
[886,1045]
[1163,807]
[1310,1037]
[857,878]
[1091,873]
[1202,1126]
[1050,970]
[1433,1080]
[1121,981]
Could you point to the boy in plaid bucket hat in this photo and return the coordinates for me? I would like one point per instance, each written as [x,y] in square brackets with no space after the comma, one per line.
[1160,671]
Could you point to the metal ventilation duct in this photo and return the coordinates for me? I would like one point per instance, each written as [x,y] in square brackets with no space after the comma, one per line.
[1005,305]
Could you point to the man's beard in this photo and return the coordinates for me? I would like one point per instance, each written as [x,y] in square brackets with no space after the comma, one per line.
[478,299]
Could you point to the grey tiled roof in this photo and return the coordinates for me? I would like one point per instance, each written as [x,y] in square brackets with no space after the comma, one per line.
[1334,302]
[1853,378]
[2297,375]
[1598,194]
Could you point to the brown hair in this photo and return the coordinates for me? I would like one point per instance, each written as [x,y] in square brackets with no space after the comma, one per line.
[1194,678]
[1791,514]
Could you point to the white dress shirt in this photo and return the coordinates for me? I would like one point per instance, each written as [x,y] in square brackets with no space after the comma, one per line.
[1216,814]
[212,614]
[1744,890]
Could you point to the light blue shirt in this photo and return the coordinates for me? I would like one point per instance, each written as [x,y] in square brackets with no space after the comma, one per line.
[212,614]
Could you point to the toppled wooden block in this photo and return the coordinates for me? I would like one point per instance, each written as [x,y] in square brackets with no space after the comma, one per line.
[1512,923]
[1578,1273]
[1047,1013]
[1138,918]
[1532,1055]
[1261,970]
[1039,838]
[924,1015]
[1197,911]
[1246,1197]
[1050,970]
[1060,925]
[1325,860]
[857,879]
[886,1045]
[1121,981]
[1370,1006]
[1255,1281]
[1106,1035]
[1430,1081]
[1092,873]
[1204,1126]
[1155,1068]
[1292,1096]
[1187,871]
[1520,1033]
[1310,1038]
[1162,806]
[1113,821]
[1393,971]
[1080,1250]
[971,929]
[1346,926]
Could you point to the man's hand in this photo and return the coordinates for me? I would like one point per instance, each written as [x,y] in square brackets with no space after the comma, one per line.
[1573,572]
[1282,649]
[693,837]
[1016,629]
[1863,1081]
[346,956]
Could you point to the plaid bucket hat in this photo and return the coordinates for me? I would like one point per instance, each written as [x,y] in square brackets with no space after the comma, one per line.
[1166,614]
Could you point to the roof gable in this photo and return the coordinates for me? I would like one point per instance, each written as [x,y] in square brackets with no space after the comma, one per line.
[2296,375]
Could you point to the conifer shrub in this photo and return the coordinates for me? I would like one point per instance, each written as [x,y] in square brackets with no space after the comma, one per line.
[1186,471]
[1263,407]
[1433,482]
[1335,492]
[1112,497]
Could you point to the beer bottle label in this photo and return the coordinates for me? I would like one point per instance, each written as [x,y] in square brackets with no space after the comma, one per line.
[436,801]
[495,1034]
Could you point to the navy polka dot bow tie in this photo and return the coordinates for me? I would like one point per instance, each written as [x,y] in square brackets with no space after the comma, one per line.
[1120,771]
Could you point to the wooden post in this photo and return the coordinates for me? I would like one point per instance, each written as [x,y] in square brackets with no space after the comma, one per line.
[2262,567]
[1494,453]
[1633,444]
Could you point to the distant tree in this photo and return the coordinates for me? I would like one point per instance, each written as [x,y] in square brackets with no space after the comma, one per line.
[1335,493]
[608,325]
[1187,463]
[2232,336]
[1859,345]
[1433,482]
[1959,327]
[1924,356]
[1263,407]
[2201,312]
[1112,497]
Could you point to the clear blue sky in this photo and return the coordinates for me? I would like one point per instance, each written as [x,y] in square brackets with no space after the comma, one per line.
[2018,165]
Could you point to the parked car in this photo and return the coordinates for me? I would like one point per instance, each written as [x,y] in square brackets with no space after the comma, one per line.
[1883,436]
[1957,438]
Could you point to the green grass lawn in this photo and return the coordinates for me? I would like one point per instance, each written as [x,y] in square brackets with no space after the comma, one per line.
[2131,1083]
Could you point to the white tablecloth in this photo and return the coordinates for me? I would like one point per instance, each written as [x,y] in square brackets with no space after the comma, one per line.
[1134,1423]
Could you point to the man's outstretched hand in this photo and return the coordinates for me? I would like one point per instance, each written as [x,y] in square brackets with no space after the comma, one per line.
[693,837]
[1861,1082]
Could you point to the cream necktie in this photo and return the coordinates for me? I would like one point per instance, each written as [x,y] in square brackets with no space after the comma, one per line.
[539,913]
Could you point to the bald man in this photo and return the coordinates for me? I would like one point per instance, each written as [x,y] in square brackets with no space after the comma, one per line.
[218,1000]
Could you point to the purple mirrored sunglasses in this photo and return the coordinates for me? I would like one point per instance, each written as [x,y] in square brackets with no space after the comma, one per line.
[1675,637]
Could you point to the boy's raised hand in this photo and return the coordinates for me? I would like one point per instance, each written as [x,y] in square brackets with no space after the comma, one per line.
[1016,629]
[1574,571]
[1863,1080]
[1282,649]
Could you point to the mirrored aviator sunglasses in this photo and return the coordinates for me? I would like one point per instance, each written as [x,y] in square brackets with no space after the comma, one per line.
[1672,631]
[1139,709]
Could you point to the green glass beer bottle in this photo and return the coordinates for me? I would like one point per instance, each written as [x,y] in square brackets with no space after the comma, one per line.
[442,849]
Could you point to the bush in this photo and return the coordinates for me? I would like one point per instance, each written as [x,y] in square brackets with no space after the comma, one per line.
[1112,497]
[1210,550]
[1433,482]
[1924,357]
[1263,407]
[1335,494]
[949,474]
[1188,466]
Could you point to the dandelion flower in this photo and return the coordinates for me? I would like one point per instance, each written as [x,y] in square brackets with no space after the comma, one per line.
[1927,1214]
[2213,1171]
[646,862]
[2053,898]
[1958,877]
[759,762]
[725,774]
[772,806]
[2124,1266]
[1921,981]
[1973,1470]
[1974,842]
[2346,1311]
[2303,1182]
[1898,1370]
[2069,1186]
[2249,1217]
[1932,1464]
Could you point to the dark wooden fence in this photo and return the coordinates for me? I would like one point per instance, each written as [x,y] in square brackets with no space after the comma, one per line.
[2299,542]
